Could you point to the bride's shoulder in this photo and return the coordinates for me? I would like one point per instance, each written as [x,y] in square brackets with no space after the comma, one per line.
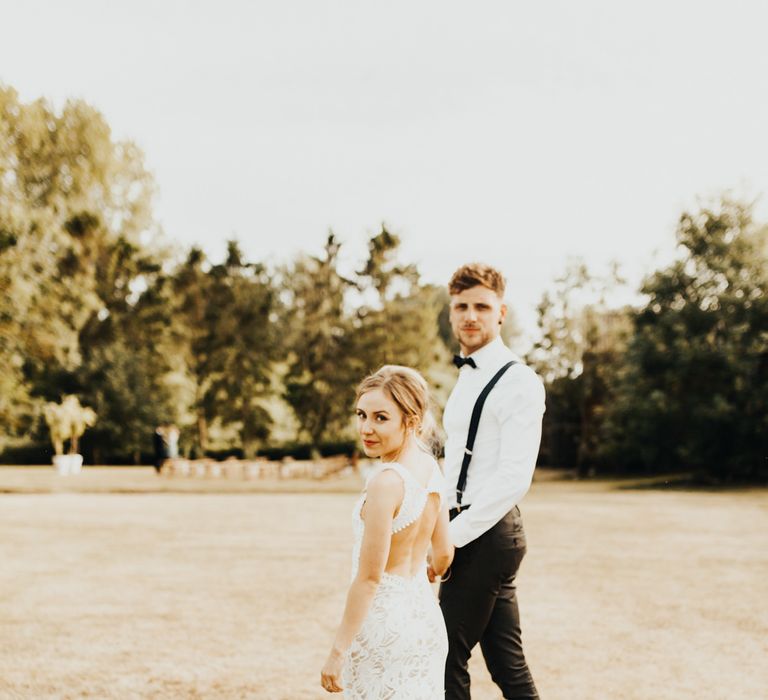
[384,479]
[425,469]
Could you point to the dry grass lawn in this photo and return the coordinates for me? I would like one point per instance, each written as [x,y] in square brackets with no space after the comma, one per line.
[119,584]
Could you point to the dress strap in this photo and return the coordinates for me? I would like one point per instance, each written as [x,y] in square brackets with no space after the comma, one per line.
[436,482]
[414,495]
[405,475]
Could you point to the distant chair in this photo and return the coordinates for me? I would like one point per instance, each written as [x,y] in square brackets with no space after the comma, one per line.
[331,466]
[174,467]
[260,468]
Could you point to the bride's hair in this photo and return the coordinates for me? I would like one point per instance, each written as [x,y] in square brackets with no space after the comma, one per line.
[410,392]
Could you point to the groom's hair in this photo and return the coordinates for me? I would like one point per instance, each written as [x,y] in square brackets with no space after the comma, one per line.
[472,274]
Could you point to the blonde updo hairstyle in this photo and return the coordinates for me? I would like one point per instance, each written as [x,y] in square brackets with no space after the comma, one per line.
[410,393]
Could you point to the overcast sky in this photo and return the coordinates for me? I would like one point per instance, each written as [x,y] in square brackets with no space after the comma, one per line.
[515,133]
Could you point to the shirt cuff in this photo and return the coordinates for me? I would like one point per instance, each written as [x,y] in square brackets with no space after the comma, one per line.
[456,533]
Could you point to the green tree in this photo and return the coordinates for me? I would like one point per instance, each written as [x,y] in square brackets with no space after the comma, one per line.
[190,286]
[398,321]
[132,371]
[242,345]
[340,329]
[694,392]
[228,331]
[322,367]
[578,352]
[67,193]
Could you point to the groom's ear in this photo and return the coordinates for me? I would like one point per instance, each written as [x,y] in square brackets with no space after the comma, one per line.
[503,313]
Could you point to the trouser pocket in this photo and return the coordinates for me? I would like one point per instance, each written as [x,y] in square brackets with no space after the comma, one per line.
[509,532]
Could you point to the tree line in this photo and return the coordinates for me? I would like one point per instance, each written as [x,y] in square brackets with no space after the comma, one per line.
[246,357]
[678,382]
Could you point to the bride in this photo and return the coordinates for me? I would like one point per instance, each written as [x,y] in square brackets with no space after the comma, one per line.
[391,642]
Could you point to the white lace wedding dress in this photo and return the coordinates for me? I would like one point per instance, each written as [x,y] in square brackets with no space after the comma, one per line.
[399,653]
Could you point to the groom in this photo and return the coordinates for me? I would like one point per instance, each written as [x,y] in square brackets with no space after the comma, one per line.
[478,599]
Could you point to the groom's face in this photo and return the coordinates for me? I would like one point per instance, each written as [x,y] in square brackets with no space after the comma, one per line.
[476,317]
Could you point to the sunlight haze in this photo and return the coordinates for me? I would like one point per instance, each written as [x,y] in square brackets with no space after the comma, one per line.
[514,133]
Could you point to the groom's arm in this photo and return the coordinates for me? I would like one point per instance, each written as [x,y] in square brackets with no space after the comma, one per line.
[518,408]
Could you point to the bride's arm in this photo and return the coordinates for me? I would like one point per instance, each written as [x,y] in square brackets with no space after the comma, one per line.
[442,552]
[384,495]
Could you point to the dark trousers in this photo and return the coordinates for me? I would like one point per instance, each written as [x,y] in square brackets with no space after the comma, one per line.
[479,603]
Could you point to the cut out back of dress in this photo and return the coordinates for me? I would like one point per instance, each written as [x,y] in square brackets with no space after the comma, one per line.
[400,651]
[412,506]
[414,497]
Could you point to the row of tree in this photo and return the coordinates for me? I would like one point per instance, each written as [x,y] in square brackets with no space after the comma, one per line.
[679,382]
[92,304]
[242,356]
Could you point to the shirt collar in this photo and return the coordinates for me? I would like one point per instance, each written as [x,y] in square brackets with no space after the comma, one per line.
[488,355]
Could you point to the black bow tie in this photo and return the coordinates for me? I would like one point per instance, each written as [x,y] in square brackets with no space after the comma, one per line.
[460,361]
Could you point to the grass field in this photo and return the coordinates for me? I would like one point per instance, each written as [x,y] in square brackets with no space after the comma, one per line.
[120,584]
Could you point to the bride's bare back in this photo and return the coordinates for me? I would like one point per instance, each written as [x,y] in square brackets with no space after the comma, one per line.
[408,551]
[411,539]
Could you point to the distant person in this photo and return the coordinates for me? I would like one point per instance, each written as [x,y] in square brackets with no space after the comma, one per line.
[391,642]
[490,456]
[160,446]
[172,441]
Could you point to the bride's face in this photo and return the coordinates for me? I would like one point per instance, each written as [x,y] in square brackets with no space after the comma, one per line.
[381,425]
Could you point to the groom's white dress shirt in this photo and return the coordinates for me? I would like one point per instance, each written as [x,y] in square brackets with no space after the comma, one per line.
[507,442]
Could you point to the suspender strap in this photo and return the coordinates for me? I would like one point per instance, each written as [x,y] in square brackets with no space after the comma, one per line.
[474,422]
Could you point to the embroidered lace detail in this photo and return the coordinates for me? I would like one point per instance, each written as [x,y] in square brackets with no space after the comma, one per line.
[400,651]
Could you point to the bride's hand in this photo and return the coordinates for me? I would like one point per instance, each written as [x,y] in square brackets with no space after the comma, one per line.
[330,676]
[431,575]
[444,566]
